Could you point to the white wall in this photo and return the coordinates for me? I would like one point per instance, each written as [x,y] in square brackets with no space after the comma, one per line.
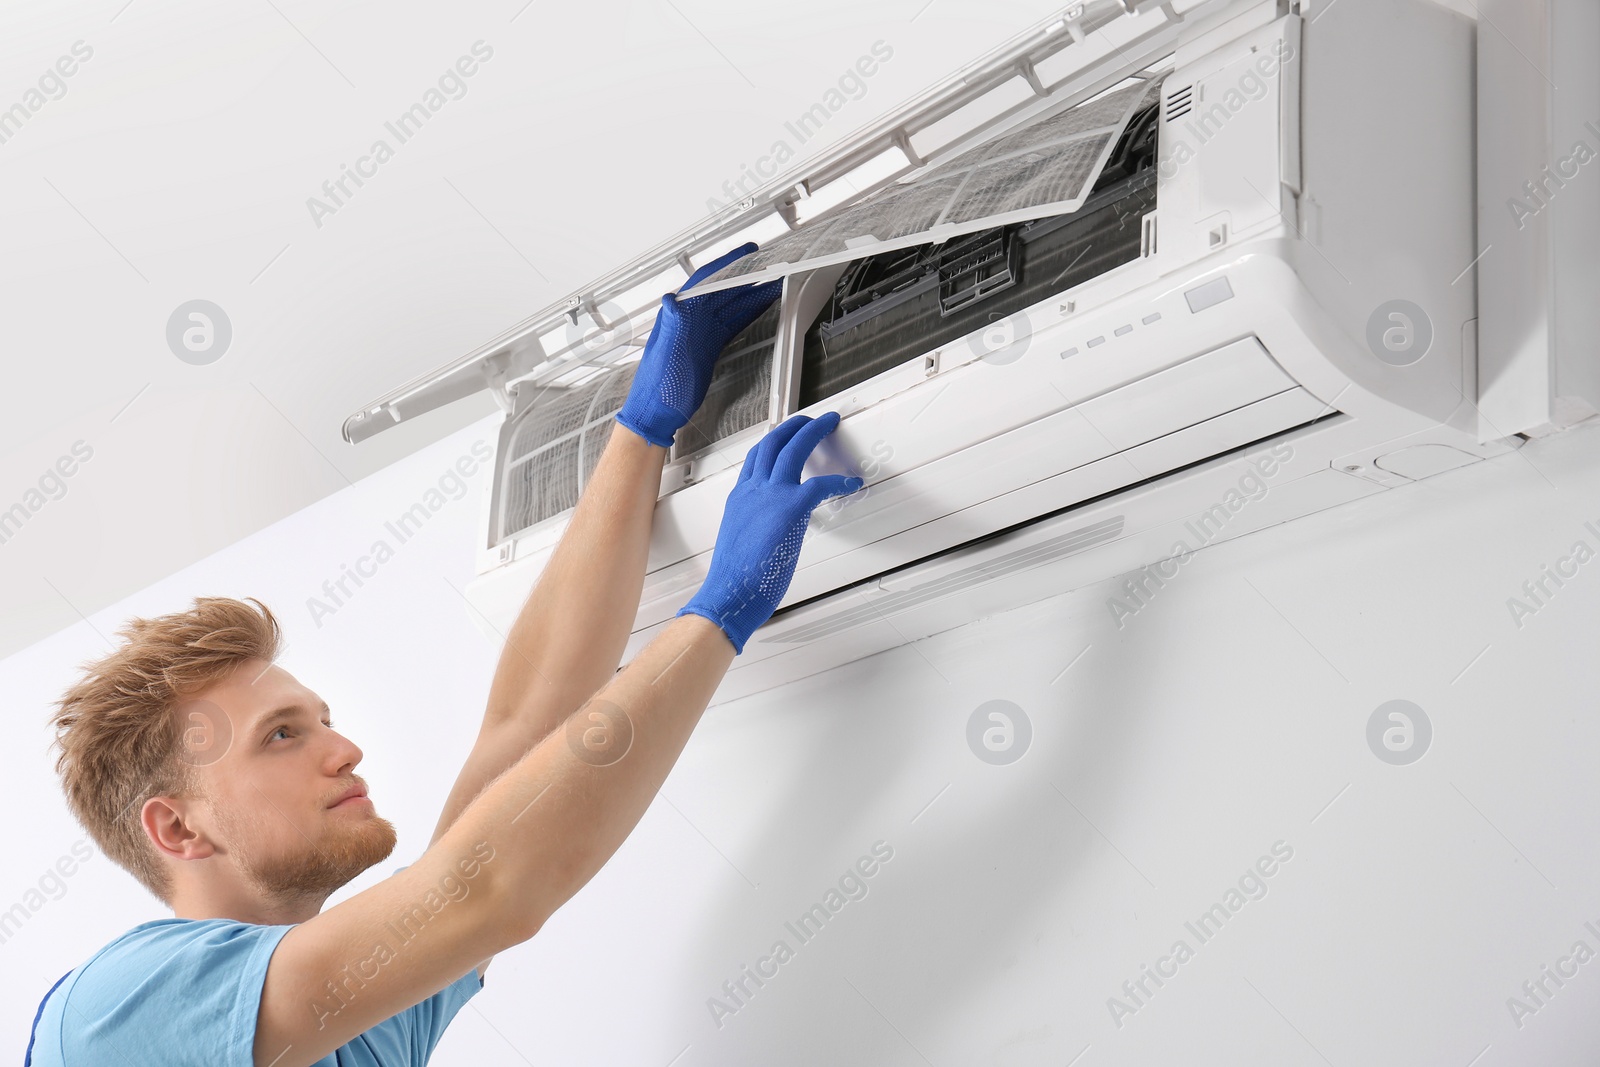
[180,162]
[1229,715]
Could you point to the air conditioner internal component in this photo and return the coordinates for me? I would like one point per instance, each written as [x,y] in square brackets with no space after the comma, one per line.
[893,306]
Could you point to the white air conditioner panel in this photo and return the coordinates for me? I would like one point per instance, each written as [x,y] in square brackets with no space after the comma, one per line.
[835,558]
[1149,521]
[1239,115]
[1129,393]
[971,461]
[1084,482]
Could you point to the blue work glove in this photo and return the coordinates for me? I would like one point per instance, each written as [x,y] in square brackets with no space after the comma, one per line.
[762,526]
[684,344]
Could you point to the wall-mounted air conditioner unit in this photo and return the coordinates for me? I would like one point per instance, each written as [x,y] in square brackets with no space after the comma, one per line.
[1148,277]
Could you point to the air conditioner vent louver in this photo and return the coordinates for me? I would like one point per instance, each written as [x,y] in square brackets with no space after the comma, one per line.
[1179,101]
[1024,558]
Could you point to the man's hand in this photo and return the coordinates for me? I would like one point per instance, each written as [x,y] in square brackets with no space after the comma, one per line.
[758,543]
[682,351]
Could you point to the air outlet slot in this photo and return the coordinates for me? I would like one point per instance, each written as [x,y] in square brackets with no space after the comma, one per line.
[1055,548]
[1178,102]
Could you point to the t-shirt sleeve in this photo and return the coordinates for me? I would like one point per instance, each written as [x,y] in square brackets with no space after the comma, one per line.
[426,1022]
[198,979]
[430,1018]
[183,992]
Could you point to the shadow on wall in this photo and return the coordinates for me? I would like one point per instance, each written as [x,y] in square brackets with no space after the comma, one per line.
[963,873]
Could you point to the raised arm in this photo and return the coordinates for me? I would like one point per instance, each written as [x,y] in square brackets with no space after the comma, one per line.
[569,636]
[542,829]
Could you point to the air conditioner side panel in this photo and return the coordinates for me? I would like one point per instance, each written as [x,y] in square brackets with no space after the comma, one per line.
[1388,212]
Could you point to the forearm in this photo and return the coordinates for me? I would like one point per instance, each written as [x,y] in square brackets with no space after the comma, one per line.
[571,632]
[556,816]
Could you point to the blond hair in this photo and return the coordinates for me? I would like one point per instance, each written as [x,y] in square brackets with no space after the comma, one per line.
[118,731]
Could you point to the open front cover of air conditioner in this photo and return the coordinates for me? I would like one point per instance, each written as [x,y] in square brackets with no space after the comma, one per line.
[1000,226]
[1047,167]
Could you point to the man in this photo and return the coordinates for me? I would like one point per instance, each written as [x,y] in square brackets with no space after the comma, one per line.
[216,778]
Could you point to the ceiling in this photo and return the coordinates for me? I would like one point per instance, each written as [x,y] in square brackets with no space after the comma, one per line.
[184,158]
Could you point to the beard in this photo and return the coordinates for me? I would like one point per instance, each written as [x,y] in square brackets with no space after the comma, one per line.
[344,848]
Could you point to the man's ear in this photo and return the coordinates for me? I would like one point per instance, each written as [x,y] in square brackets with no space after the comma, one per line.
[166,821]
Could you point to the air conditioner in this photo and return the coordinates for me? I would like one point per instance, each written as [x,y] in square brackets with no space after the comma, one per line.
[1147,277]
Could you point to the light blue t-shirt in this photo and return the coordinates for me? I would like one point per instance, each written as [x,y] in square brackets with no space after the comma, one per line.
[187,991]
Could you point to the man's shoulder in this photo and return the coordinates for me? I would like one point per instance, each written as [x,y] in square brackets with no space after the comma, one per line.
[173,928]
[203,978]
[184,952]
[202,943]
[167,939]
[154,976]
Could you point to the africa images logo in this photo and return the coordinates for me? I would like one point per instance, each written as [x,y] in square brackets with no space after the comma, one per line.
[851,85]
